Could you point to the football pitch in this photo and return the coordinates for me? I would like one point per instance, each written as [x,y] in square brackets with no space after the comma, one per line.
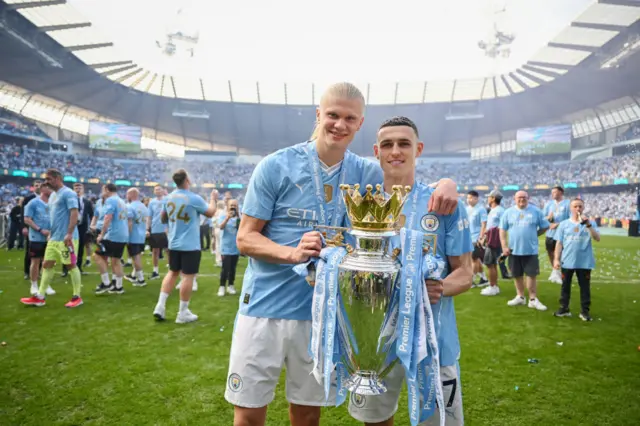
[109,363]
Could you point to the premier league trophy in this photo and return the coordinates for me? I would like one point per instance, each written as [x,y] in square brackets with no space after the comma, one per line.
[367,286]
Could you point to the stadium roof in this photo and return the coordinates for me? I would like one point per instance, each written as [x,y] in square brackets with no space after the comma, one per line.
[77,64]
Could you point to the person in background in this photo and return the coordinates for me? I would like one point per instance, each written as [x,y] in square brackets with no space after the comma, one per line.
[156,230]
[217,232]
[477,224]
[181,212]
[555,212]
[25,232]
[524,223]
[62,241]
[15,226]
[112,240]
[574,255]
[37,220]
[492,238]
[230,222]
[85,214]
[137,214]
[205,232]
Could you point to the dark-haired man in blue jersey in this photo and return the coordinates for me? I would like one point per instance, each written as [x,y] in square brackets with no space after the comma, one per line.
[182,211]
[290,193]
[447,236]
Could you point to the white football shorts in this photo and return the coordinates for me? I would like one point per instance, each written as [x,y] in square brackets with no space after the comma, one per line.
[378,408]
[259,349]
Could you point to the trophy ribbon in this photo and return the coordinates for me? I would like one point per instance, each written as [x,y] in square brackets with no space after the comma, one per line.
[416,345]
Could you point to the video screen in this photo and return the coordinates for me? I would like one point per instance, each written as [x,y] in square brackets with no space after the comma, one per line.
[544,140]
[114,137]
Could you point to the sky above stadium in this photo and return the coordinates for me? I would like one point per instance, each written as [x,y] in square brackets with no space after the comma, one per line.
[329,40]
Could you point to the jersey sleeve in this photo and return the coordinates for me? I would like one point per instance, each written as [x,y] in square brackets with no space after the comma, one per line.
[262,192]
[483,215]
[28,210]
[198,203]
[559,231]
[504,222]
[71,200]
[594,225]
[458,235]
[545,209]
[543,223]
[110,206]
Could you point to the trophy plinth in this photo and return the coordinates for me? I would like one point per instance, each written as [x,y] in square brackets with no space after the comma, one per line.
[367,282]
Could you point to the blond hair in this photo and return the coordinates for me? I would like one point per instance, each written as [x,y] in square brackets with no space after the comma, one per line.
[342,90]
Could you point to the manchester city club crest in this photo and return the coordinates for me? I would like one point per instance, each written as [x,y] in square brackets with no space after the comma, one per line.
[430,222]
[358,400]
[235,382]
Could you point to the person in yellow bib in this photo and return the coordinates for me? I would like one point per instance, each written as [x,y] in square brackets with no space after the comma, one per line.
[62,241]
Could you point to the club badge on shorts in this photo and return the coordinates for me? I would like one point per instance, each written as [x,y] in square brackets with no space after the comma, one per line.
[235,382]
[430,222]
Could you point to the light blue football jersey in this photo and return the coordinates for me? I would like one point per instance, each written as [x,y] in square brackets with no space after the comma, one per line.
[577,252]
[98,212]
[561,212]
[229,234]
[38,211]
[281,192]
[183,210]
[155,211]
[61,203]
[444,236]
[522,226]
[118,231]
[476,214]
[138,213]
[494,216]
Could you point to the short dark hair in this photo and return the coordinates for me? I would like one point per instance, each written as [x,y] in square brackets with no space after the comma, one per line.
[577,199]
[179,177]
[111,187]
[559,188]
[399,121]
[473,193]
[54,173]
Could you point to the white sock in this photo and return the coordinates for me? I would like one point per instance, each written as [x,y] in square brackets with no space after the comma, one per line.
[483,276]
[105,278]
[118,282]
[162,300]
[88,258]
[34,283]
[155,269]
[184,306]
[129,261]
[140,275]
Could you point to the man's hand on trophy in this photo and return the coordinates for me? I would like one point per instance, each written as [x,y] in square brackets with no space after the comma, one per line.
[434,290]
[309,246]
[444,199]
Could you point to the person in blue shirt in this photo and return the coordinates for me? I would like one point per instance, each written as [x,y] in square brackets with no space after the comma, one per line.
[62,242]
[523,223]
[477,225]
[36,218]
[112,240]
[290,193]
[492,240]
[229,224]
[182,211]
[137,214]
[448,236]
[156,230]
[555,211]
[574,255]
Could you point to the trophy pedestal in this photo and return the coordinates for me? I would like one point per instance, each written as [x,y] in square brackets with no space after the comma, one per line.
[366,383]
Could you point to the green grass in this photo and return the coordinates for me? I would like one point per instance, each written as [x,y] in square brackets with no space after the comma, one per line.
[109,363]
